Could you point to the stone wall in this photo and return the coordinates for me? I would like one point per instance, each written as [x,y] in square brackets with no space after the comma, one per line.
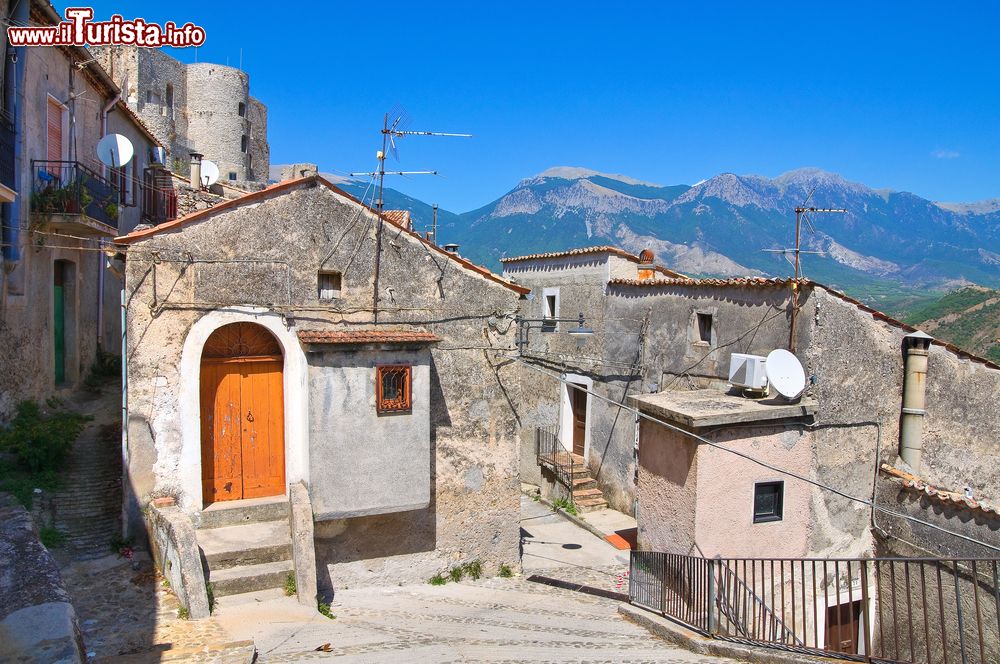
[474,502]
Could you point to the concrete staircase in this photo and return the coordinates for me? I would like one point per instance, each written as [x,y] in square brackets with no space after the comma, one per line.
[574,472]
[246,547]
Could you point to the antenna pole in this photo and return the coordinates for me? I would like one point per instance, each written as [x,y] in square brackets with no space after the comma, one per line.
[379,208]
[434,225]
[800,211]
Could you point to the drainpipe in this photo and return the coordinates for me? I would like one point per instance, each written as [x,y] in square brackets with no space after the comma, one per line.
[196,171]
[100,256]
[916,348]
[12,93]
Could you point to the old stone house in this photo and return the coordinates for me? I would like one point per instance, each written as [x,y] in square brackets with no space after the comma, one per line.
[290,338]
[59,302]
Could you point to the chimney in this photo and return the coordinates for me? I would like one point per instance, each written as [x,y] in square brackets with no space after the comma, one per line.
[196,170]
[916,348]
[646,271]
[451,248]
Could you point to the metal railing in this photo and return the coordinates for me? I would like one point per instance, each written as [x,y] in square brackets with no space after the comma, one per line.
[69,187]
[7,151]
[912,610]
[158,205]
[550,452]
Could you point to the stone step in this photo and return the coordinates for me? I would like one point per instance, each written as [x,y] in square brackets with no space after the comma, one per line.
[585,494]
[249,578]
[587,482]
[239,512]
[590,504]
[249,544]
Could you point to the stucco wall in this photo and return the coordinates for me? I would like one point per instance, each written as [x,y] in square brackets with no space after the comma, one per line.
[668,486]
[473,510]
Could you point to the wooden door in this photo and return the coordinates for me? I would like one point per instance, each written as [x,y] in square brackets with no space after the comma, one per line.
[54,121]
[842,624]
[242,415]
[578,399]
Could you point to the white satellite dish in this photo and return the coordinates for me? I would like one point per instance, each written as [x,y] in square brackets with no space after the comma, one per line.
[785,373]
[209,172]
[114,150]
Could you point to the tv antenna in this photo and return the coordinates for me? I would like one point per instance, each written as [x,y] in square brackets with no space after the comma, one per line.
[802,213]
[392,130]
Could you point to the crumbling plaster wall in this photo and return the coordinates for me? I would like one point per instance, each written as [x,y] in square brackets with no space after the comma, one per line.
[473,416]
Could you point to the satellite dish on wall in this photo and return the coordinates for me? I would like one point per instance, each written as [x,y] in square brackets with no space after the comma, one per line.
[209,172]
[785,373]
[114,150]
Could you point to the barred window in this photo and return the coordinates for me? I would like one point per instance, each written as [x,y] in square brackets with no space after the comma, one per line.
[393,388]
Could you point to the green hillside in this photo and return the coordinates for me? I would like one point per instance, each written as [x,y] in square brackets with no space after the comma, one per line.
[968,317]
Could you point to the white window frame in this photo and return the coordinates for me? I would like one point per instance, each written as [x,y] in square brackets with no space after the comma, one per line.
[546,294]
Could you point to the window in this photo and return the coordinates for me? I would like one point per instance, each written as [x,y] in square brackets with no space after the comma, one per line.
[705,328]
[550,308]
[329,285]
[232,175]
[767,501]
[169,110]
[392,386]
[243,143]
[242,110]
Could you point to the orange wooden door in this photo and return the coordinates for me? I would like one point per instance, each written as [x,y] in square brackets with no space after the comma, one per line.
[263,449]
[221,432]
[54,122]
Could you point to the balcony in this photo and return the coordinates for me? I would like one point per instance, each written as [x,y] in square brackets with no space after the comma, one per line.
[159,204]
[8,188]
[72,199]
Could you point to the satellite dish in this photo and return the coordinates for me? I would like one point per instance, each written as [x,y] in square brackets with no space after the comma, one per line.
[114,150]
[785,372]
[209,172]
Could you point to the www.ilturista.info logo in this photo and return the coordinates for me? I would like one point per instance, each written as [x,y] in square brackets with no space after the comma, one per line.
[79,30]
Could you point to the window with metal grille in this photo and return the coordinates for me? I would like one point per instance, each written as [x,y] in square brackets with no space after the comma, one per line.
[767,501]
[392,385]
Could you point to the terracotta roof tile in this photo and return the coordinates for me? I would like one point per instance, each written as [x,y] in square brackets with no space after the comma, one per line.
[345,337]
[759,282]
[312,180]
[604,249]
[914,483]
[399,217]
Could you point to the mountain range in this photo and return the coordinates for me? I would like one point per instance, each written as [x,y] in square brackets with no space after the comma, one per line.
[726,224]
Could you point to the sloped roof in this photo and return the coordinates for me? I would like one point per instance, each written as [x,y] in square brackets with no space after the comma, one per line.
[761,282]
[601,249]
[303,183]
[349,337]
[914,483]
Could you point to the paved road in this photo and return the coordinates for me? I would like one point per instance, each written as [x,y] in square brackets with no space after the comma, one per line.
[491,620]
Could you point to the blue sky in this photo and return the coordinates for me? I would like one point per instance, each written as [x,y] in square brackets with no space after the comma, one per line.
[896,95]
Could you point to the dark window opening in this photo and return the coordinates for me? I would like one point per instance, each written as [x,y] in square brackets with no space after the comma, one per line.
[393,386]
[705,328]
[551,310]
[242,110]
[243,143]
[329,285]
[768,499]
[232,175]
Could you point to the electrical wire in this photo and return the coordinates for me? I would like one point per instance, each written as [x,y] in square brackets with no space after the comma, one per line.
[863,501]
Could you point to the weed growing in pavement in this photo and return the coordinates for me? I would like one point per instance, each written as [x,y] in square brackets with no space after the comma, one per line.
[437,580]
[210,591]
[565,505]
[182,613]
[324,608]
[505,571]
[290,588]
[456,574]
[473,569]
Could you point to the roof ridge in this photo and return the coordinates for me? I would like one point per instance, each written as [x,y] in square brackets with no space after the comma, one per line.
[579,251]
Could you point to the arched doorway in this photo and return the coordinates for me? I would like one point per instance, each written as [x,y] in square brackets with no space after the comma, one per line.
[242,414]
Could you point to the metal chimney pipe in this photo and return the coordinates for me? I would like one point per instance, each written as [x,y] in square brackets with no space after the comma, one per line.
[196,170]
[916,347]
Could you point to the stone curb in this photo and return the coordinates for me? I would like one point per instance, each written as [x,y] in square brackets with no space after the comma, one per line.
[241,651]
[677,634]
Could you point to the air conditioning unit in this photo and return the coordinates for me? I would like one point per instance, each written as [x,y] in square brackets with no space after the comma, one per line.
[747,371]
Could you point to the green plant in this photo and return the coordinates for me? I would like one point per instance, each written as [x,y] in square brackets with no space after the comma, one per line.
[290,587]
[105,367]
[437,580]
[456,574]
[210,591]
[182,613]
[505,571]
[473,569]
[51,537]
[40,442]
[111,209]
[324,608]
[566,505]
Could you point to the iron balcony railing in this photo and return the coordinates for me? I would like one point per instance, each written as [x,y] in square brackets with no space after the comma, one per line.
[7,151]
[158,205]
[912,610]
[69,187]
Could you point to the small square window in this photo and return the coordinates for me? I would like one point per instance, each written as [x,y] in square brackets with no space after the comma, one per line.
[232,175]
[393,388]
[768,499]
[705,328]
[329,285]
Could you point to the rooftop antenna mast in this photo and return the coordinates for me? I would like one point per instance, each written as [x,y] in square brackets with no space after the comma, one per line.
[395,125]
[802,213]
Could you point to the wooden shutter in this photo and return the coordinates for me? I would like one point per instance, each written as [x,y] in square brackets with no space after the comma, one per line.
[55,134]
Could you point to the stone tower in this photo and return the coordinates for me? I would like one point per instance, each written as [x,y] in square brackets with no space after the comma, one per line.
[200,107]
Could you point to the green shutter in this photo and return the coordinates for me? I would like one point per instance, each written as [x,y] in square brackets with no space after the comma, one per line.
[59,311]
